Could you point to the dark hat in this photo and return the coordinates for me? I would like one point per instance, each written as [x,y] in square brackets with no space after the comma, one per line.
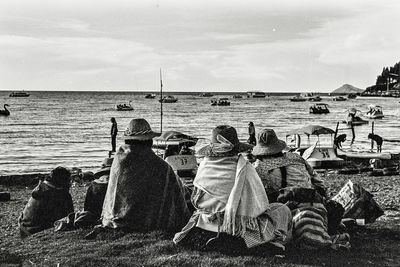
[224,142]
[105,168]
[139,129]
[268,143]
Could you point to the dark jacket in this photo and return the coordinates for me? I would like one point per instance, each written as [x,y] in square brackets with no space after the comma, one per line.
[143,193]
[114,129]
[46,205]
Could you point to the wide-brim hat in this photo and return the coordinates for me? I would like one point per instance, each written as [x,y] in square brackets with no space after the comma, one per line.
[139,129]
[268,143]
[224,142]
[105,168]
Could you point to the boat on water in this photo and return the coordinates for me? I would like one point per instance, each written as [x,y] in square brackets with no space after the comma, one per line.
[206,95]
[354,118]
[322,154]
[256,94]
[19,94]
[124,107]
[315,98]
[150,96]
[220,102]
[351,96]
[374,112]
[319,108]
[237,96]
[339,98]
[298,98]
[168,99]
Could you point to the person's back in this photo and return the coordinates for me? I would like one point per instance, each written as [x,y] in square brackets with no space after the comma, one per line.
[50,201]
[143,193]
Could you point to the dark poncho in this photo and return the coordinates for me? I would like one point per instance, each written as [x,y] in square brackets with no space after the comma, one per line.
[143,193]
[47,205]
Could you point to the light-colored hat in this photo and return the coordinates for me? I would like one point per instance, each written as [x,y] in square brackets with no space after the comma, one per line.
[139,129]
[224,142]
[268,143]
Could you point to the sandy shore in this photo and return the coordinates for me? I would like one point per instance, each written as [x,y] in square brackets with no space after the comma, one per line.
[373,244]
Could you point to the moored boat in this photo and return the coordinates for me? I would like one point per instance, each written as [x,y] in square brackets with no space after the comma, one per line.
[124,107]
[206,95]
[256,94]
[315,98]
[339,98]
[150,96]
[319,108]
[19,94]
[168,99]
[374,112]
[298,98]
[220,102]
[351,96]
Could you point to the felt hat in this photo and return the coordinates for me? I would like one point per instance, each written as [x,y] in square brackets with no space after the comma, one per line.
[224,142]
[104,170]
[139,129]
[268,143]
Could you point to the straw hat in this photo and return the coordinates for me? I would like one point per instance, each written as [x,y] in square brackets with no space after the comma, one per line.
[139,129]
[224,142]
[268,143]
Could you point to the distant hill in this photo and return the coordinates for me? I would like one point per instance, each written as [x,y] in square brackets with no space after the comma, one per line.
[347,89]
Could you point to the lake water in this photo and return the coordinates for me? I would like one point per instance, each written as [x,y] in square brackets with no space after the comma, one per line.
[49,129]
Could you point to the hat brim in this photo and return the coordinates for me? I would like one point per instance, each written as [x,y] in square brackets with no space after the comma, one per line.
[207,150]
[142,137]
[270,150]
[101,172]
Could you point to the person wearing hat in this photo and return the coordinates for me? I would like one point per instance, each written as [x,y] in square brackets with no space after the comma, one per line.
[278,170]
[232,208]
[97,189]
[143,192]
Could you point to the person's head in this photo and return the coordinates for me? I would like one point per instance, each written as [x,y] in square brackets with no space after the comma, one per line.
[268,144]
[251,123]
[113,120]
[139,132]
[224,143]
[60,177]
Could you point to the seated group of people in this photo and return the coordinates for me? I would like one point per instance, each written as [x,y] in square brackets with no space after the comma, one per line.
[233,201]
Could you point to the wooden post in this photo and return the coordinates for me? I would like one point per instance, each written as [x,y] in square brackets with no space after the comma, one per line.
[336,131]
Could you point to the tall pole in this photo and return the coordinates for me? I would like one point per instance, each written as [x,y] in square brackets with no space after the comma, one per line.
[161,101]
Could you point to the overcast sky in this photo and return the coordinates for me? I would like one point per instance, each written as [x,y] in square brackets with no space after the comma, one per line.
[274,46]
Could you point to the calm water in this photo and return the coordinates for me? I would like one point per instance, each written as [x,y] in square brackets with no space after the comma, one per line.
[70,129]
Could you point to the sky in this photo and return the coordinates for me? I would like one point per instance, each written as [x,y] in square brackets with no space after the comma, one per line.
[270,46]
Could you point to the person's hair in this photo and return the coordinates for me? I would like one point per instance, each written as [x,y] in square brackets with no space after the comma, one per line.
[60,177]
[251,123]
[260,157]
[147,143]
[112,119]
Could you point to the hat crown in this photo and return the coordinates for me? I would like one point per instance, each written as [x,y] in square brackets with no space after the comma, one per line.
[138,127]
[267,137]
[228,132]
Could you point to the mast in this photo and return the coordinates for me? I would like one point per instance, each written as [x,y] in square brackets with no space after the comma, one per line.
[161,101]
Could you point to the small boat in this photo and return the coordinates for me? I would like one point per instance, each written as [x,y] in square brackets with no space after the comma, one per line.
[124,107]
[150,96]
[351,96]
[206,95]
[353,118]
[298,98]
[315,99]
[339,98]
[319,108]
[374,112]
[256,94]
[237,96]
[220,102]
[168,99]
[19,94]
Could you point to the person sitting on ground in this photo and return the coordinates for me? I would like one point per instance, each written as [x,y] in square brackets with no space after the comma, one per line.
[278,170]
[143,192]
[232,209]
[50,201]
[97,189]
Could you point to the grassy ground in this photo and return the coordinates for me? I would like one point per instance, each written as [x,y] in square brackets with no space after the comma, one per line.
[376,244]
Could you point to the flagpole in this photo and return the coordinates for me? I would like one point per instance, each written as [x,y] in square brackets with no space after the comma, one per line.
[161,101]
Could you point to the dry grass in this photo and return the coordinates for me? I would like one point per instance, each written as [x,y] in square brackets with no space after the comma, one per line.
[373,245]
